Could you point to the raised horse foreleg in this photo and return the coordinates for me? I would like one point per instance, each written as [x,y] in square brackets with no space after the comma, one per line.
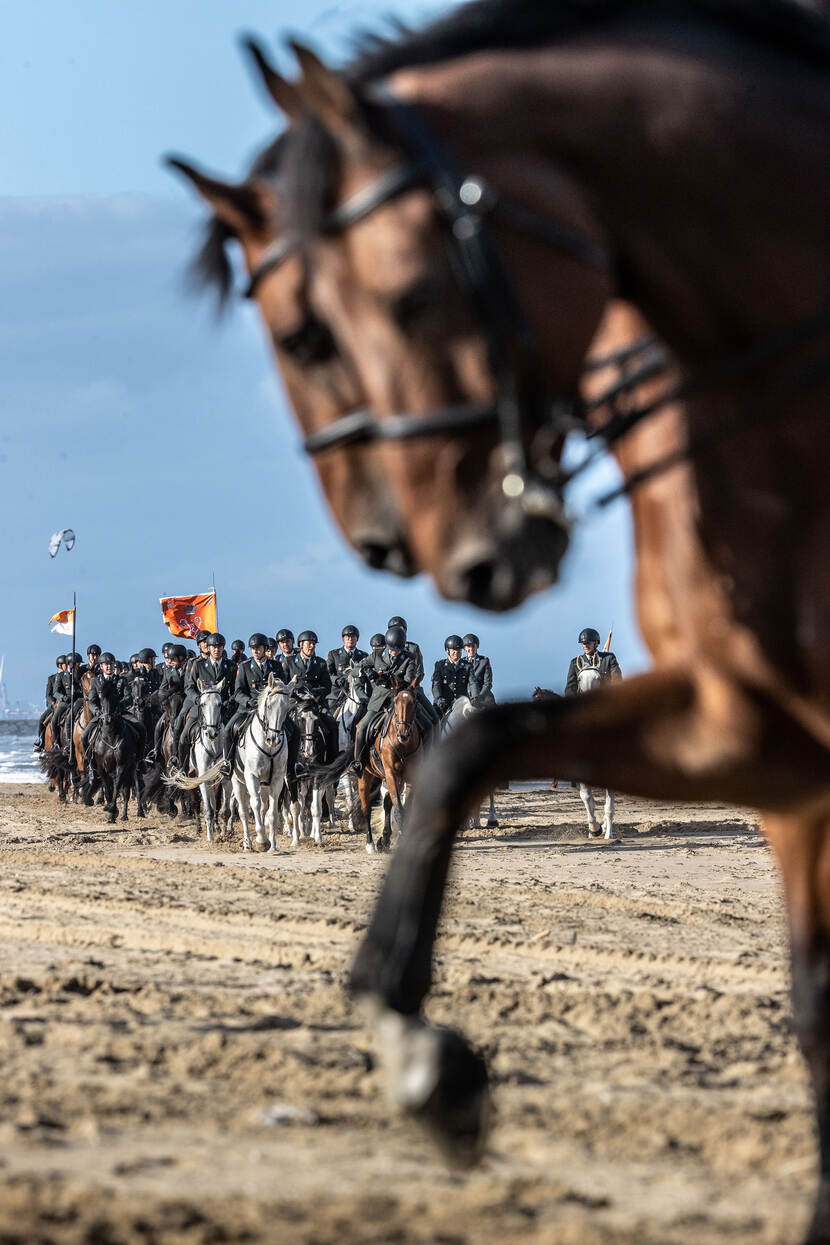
[801,843]
[652,736]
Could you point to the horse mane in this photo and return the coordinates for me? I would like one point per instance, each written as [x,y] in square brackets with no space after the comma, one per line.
[309,158]
[801,27]
[210,268]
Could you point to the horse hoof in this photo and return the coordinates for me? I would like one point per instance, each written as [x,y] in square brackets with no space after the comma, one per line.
[371,850]
[492,823]
[594,832]
[442,1083]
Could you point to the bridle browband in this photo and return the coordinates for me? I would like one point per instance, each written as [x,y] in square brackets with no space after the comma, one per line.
[465,203]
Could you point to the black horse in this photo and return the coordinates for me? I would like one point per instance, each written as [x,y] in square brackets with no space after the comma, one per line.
[116,749]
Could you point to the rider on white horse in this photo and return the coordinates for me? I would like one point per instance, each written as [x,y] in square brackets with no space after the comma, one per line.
[586,673]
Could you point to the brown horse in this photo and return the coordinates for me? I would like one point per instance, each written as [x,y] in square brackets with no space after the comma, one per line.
[80,775]
[321,383]
[394,745]
[726,258]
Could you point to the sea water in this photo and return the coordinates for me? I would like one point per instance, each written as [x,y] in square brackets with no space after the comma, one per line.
[18,763]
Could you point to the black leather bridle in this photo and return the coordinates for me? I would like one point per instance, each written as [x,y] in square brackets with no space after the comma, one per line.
[465,203]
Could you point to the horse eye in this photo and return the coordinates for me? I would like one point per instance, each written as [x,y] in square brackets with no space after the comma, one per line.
[311,343]
[414,303]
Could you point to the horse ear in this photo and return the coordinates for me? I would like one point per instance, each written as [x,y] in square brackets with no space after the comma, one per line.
[200,685]
[284,93]
[271,680]
[323,91]
[219,685]
[241,206]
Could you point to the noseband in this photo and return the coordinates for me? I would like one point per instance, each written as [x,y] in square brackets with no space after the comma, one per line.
[465,203]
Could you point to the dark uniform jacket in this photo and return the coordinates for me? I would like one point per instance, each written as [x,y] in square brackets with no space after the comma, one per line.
[63,682]
[251,678]
[449,680]
[415,653]
[204,669]
[339,659]
[314,672]
[479,676]
[122,687]
[606,663]
[288,664]
[172,681]
[151,677]
[378,669]
[50,689]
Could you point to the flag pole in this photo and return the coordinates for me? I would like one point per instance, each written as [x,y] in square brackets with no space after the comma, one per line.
[72,681]
[215,601]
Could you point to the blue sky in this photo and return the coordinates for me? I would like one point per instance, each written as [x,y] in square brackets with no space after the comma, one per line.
[130,415]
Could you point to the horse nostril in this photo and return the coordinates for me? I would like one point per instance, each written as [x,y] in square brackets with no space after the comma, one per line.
[476,582]
[393,557]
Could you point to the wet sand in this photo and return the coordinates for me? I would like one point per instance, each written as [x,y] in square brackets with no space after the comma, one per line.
[182,1065]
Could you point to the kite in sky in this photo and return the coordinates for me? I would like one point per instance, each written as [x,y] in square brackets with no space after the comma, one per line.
[66,535]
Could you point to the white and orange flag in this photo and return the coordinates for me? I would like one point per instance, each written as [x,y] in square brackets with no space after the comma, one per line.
[61,623]
[607,648]
[187,616]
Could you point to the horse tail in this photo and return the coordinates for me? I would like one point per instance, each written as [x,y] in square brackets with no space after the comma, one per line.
[325,775]
[54,763]
[213,775]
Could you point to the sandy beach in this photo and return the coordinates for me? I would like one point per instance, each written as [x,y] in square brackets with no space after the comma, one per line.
[182,1065]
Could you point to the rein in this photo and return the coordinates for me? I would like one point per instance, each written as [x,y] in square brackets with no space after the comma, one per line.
[465,203]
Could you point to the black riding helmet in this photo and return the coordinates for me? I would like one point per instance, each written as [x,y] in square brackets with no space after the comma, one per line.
[285,634]
[470,638]
[166,647]
[238,646]
[94,649]
[350,629]
[395,638]
[191,652]
[397,621]
[146,655]
[452,641]
[377,641]
[133,658]
[271,643]
[60,661]
[217,640]
[587,634]
[310,636]
[107,657]
[73,659]
[257,640]
[201,636]
[177,650]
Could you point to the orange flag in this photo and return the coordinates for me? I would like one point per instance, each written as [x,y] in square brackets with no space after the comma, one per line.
[186,616]
[607,648]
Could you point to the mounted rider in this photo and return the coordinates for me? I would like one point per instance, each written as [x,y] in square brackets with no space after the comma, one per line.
[251,677]
[425,715]
[105,676]
[146,668]
[382,672]
[238,653]
[340,660]
[605,663]
[172,684]
[93,657]
[450,678]
[480,672]
[51,682]
[313,677]
[287,653]
[67,686]
[211,671]
[191,692]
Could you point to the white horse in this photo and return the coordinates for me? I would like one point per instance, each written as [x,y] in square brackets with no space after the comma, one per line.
[462,707]
[587,680]
[260,765]
[205,768]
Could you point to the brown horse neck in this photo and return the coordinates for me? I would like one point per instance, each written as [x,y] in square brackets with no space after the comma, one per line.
[671,136]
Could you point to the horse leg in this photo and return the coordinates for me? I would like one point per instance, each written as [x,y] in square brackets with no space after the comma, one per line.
[608,817]
[206,793]
[277,785]
[255,801]
[124,788]
[586,795]
[658,736]
[364,790]
[317,813]
[492,819]
[239,791]
[392,805]
[801,843]
[139,793]
[111,794]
